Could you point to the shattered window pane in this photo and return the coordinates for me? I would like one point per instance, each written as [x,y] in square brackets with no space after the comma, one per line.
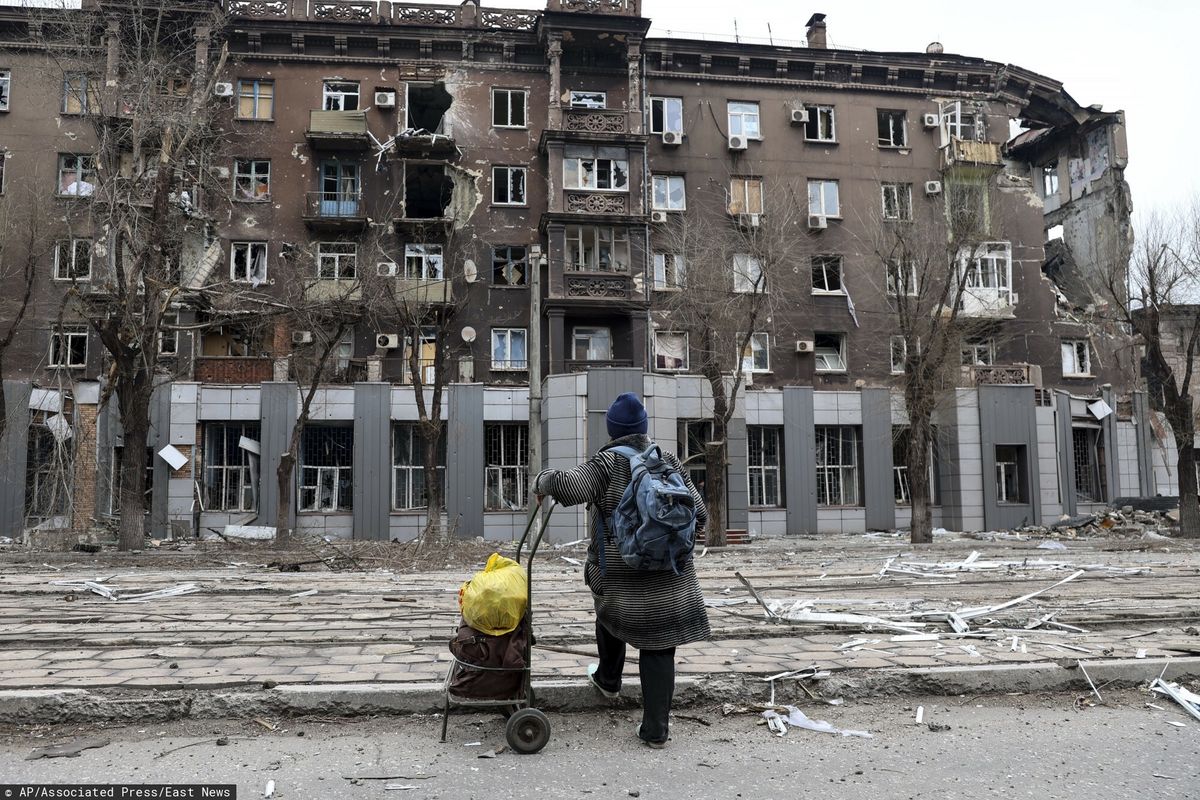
[901,280]
[337,260]
[1010,474]
[507,454]
[73,260]
[666,115]
[508,108]
[820,125]
[837,465]
[757,355]
[1076,357]
[339,96]
[892,129]
[423,262]
[68,347]
[508,349]
[763,462]
[508,186]
[248,262]
[5,88]
[669,271]
[230,471]
[826,274]
[830,352]
[670,351]
[509,265]
[590,248]
[899,353]
[585,168]
[581,99]
[593,344]
[743,120]
[897,201]
[747,274]
[252,180]
[408,471]
[669,193]
[823,198]
[326,468]
[76,175]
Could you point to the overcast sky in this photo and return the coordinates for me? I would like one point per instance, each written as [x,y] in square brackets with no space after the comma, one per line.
[1124,55]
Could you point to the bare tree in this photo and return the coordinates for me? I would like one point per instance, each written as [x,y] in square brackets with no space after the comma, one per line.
[734,257]
[1155,292]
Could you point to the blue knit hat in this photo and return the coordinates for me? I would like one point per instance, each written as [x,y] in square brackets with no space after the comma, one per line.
[626,416]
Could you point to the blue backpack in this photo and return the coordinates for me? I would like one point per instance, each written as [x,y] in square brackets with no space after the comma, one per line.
[654,524]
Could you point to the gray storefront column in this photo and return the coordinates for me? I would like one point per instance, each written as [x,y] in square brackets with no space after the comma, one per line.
[372,460]
[879,492]
[278,411]
[737,489]
[1141,417]
[159,437]
[14,448]
[1112,464]
[465,460]
[1066,454]
[108,436]
[1007,416]
[799,458]
[603,386]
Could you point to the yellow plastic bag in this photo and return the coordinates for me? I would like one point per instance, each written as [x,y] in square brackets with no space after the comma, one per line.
[494,601]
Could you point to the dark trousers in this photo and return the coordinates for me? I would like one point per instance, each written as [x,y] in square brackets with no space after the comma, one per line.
[657,671]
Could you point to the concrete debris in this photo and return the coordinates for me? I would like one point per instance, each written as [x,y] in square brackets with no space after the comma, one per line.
[1189,700]
[1126,522]
[779,722]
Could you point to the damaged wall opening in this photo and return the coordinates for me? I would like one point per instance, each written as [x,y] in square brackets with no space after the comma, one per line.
[427,191]
[1087,445]
[427,107]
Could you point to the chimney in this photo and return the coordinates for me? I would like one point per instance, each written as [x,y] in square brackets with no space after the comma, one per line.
[816,32]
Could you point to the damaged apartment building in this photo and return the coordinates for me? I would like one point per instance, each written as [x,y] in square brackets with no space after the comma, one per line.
[514,171]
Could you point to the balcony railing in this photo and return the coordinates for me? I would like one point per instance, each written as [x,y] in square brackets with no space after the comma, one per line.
[343,290]
[597,202]
[970,153]
[594,121]
[416,291]
[623,8]
[597,285]
[395,13]
[578,365]
[1005,375]
[338,129]
[234,369]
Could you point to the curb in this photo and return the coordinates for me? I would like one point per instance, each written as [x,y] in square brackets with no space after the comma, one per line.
[74,706]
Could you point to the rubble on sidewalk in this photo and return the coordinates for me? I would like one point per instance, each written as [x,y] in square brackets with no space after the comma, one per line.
[1124,522]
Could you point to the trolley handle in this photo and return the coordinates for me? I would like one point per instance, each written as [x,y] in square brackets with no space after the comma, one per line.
[536,542]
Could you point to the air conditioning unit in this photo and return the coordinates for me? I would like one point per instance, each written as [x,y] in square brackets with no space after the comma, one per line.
[223,89]
[818,222]
[799,116]
[302,337]
[804,345]
[385,99]
[737,143]
[930,121]
[933,187]
[386,269]
[658,216]
[750,220]
[387,341]
[672,138]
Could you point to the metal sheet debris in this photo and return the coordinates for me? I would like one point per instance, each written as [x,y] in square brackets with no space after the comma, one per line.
[67,749]
[1189,700]
[798,719]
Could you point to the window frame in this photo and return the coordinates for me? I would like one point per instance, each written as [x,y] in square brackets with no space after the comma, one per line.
[814,119]
[414,472]
[840,354]
[509,364]
[334,254]
[578,177]
[895,269]
[664,101]
[901,368]
[5,89]
[1020,465]
[73,245]
[252,89]
[253,176]
[576,99]
[249,246]
[999,270]
[85,168]
[822,184]
[1050,184]
[822,261]
[672,269]
[510,263]
[166,334]
[1077,347]
[591,333]
[245,472]
[902,201]
[891,116]
[423,261]
[87,98]
[343,502]
[748,274]
[659,367]
[833,479]
[747,359]
[512,473]
[763,498]
[575,242]
[507,172]
[742,198]
[742,115]
[496,92]
[974,347]
[61,341]
[332,95]
[668,178]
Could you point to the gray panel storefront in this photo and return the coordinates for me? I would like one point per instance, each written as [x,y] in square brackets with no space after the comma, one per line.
[1008,425]
[278,411]
[1066,454]
[799,456]
[603,386]
[465,460]
[879,492]
[372,460]
[159,437]
[737,490]
[1112,451]
[1141,419]
[14,449]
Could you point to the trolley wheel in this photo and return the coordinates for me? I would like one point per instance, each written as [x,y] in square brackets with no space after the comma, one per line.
[527,731]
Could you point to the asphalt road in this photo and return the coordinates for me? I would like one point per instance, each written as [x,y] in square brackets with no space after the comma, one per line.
[1009,747]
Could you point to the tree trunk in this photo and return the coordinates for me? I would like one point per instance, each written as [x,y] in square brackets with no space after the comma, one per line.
[431,434]
[714,492]
[283,509]
[917,465]
[1189,511]
[132,524]
[3,401]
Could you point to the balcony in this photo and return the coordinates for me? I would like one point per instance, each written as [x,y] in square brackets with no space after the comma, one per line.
[591,120]
[234,369]
[621,8]
[415,291]
[576,365]
[597,202]
[333,291]
[597,286]
[338,130]
[395,13]
[334,211]
[966,154]
[1004,375]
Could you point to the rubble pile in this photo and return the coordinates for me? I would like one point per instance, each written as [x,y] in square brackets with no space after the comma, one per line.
[1125,522]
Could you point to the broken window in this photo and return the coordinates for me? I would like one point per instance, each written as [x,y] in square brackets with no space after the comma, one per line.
[3,170]
[670,193]
[901,486]
[508,108]
[671,351]
[592,344]
[823,199]
[1076,358]
[81,94]
[507,453]
[69,347]
[326,468]
[408,467]
[73,260]
[115,479]
[427,191]
[898,346]
[830,352]
[821,125]
[230,470]
[586,99]
[1012,477]
[666,115]
[1050,180]
[256,99]
[427,351]
[747,274]
[337,260]
[743,120]
[988,283]
[76,175]
[897,201]
[510,265]
[827,274]
[5,88]
[958,123]
[248,262]
[339,96]
[978,353]
[341,192]
[596,168]
[423,262]
[508,186]
[168,335]
[694,434]
[1087,444]
[252,180]
[670,272]
[901,278]
[756,357]
[967,208]
[764,450]
[893,130]
[232,340]
[837,465]
[595,249]
[745,196]
[49,468]
[427,107]
[508,349]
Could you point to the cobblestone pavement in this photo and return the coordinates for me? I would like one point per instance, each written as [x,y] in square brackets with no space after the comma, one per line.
[245,628]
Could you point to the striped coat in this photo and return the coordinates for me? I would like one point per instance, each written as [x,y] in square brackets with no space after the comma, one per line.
[649,610]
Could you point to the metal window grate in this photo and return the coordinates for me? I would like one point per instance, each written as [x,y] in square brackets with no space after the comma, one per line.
[763,470]
[326,474]
[507,453]
[837,465]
